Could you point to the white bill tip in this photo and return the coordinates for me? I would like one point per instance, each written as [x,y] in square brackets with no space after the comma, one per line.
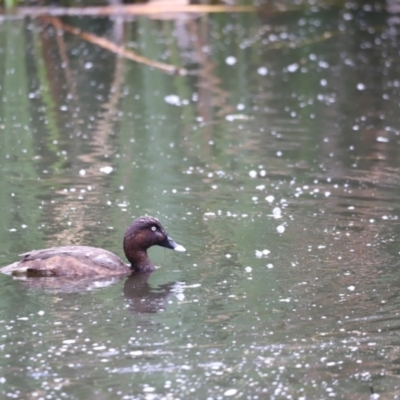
[180,248]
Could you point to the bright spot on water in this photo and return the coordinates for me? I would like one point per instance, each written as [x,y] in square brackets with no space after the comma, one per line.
[82,172]
[260,187]
[88,65]
[280,229]
[382,139]
[234,117]
[351,288]
[248,269]
[323,82]
[261,253]
[323,64]
[327,194]
[347,17]
[41,312]
[270,266]
[180,296]
[68,341]
[228,256]
[277,213]
[293,67]
[230,60]
[136,353]
[270,198]
[106,170]
[253,174]
[195,285]
[262,71]
[230,392]
[172,99]
[360,86]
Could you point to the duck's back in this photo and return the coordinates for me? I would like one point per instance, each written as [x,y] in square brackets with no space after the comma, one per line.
[68,261]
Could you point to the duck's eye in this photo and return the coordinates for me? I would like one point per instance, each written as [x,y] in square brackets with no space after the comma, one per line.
[153,228]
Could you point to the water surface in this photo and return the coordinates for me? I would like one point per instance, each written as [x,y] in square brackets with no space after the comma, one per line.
[274,162]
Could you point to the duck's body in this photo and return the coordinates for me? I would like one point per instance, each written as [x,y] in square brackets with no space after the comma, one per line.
[68,261]
[85,261]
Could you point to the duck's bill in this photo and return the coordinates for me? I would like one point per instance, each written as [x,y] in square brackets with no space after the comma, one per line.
[169,243]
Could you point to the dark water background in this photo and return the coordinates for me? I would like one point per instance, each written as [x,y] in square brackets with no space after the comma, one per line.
[275,162]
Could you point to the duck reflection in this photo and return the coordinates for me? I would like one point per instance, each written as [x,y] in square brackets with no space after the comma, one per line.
[144,298]
[140,295]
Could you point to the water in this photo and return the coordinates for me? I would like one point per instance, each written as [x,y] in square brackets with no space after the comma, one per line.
[275,163]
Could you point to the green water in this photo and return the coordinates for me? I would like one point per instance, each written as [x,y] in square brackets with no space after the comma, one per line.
[274,162]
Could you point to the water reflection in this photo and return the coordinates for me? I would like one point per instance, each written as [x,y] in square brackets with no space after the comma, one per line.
[141,296]
[144,298]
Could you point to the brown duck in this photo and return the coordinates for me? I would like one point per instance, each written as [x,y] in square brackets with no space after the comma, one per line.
[85,261]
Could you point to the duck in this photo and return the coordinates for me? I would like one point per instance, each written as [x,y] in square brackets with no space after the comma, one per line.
[86,261]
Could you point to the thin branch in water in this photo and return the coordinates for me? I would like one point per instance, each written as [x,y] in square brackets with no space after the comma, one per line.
[114,48]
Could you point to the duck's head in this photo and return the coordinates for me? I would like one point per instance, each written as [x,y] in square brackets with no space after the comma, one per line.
[143,233]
